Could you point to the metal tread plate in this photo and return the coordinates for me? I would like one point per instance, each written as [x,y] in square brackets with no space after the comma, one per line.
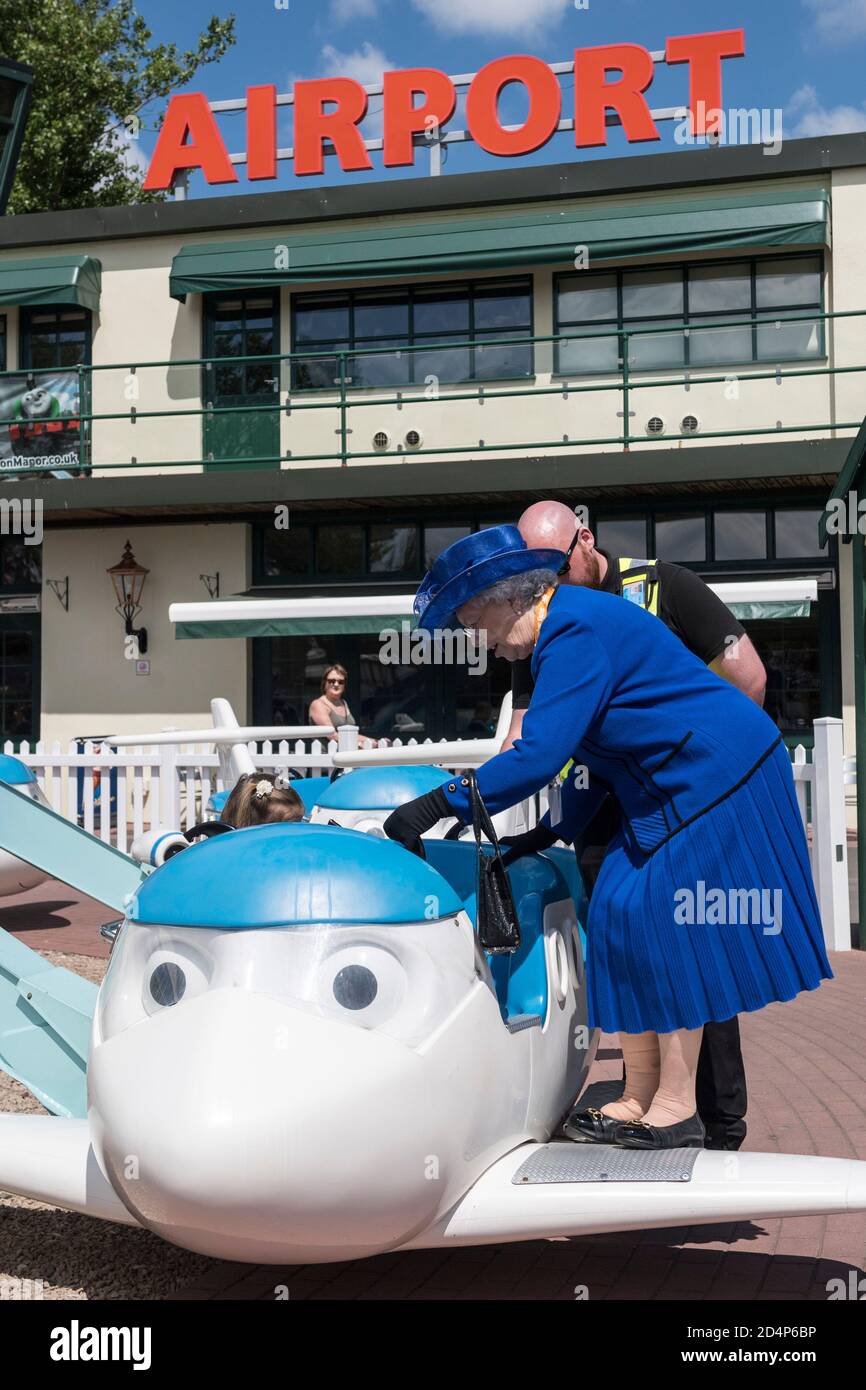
[565,1161]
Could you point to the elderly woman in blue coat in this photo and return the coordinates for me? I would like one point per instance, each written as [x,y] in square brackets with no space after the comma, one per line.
[705,906]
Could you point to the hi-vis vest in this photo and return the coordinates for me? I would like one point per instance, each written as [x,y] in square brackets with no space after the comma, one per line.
[640,583]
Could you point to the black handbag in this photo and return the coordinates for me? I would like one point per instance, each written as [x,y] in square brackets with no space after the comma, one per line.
[498,925]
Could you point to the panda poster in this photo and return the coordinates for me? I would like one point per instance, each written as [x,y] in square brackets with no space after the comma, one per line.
[40,433]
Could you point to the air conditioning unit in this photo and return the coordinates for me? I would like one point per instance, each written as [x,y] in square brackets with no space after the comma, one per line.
[655,425]
[381,441]
[690,424]
[414,439]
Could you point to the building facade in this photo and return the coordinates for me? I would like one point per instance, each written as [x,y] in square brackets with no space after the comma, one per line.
[672,341]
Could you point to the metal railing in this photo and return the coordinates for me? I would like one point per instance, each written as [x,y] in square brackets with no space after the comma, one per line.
[345,396]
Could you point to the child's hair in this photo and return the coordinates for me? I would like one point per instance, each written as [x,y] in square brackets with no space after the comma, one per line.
[258,799]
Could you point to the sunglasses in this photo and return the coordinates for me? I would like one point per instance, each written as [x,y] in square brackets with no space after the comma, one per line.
[563,569]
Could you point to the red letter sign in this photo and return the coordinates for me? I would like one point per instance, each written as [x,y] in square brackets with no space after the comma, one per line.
[314,125]
[545,102]
[403,118]
[189,115]
[704,54]
[593,94]
[261,132]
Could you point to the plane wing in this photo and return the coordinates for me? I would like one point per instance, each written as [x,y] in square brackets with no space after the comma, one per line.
[53,1161]
[45,1011]
[564,1189]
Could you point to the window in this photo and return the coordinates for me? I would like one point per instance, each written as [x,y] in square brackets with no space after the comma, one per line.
[241,327]
[797,534]
[393,549]
[773,292]
[620,535]
[681,539]
[54,338]
[376,328]
[340,550]
[287,552]
[740,535]
[438,538]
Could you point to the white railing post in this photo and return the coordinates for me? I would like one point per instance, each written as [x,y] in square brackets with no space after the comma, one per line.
[169,792]
[347,738]
[829,834]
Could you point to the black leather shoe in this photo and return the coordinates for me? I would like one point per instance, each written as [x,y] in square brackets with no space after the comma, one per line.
[591,1127]
[688,1134]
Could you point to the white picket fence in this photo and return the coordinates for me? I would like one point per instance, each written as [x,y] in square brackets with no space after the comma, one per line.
[119,793]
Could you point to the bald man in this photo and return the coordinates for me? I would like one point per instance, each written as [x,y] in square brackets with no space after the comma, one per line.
[702,622]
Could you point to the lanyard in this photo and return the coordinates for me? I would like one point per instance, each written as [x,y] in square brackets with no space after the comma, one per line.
[541,612]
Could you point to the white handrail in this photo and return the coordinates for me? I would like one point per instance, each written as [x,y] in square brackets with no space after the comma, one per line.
[252,733]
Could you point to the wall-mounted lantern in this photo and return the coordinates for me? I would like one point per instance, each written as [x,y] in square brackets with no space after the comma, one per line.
[128,578]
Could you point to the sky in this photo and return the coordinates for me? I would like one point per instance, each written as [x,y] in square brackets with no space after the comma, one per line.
[804,58]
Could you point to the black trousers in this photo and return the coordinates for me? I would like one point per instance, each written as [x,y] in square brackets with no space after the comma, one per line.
[721,1080]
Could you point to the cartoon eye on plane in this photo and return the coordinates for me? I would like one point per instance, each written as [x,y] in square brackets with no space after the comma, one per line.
[300,1052]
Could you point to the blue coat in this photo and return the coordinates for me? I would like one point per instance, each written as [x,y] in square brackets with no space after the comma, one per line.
[616,691]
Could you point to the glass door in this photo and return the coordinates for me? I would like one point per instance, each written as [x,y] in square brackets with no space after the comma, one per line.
[236,327]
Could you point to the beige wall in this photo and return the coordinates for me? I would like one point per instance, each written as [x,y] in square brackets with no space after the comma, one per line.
[139,321]
[87,684]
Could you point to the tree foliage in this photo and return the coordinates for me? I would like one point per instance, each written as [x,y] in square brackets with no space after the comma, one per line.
[99,79]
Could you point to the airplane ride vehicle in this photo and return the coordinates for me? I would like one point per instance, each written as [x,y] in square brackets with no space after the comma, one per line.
[328,1064]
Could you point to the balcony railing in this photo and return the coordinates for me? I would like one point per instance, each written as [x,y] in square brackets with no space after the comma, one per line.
[346,398]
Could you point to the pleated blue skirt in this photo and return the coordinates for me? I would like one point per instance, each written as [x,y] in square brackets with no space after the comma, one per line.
[721,920]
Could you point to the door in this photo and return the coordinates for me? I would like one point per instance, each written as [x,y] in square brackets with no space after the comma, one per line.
[239,326]
[19,678]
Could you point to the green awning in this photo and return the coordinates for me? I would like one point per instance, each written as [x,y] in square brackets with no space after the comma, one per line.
[52,280]
[287,627]
[611,230]
[783,608]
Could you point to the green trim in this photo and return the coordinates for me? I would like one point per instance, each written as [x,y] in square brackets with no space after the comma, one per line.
[52,280]
[614,230]
[292,627]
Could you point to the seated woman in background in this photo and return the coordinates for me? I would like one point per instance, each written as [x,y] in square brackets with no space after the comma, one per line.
[259,800]
[331,708]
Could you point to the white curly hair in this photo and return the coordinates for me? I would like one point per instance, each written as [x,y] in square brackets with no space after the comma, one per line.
[519,590]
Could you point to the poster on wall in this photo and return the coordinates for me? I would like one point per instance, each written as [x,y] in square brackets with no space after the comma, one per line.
[40,435]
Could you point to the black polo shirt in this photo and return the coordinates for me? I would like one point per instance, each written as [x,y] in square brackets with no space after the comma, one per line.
[686,604]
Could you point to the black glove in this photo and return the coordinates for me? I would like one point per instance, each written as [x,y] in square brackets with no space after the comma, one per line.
[531,842]
[407,824]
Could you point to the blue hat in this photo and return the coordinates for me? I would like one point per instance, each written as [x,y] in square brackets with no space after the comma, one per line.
[471,565]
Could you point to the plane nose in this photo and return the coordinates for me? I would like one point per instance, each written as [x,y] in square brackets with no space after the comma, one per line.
[244,1129]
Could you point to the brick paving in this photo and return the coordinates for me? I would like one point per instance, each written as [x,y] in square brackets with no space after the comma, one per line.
[806,1065]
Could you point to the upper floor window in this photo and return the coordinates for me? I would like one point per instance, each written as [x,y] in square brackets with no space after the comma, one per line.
[428,318]
[54,337]
[687,308]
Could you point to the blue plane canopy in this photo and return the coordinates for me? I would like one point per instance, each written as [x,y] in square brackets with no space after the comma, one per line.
[292,875]
[380,788]
[15,773]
